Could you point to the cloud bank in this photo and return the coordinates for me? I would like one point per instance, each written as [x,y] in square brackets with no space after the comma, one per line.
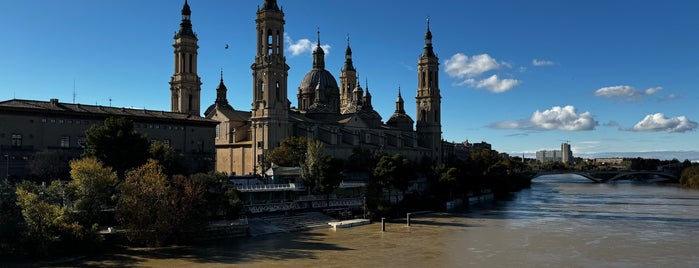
[557,118]
[659,122]
[471,69]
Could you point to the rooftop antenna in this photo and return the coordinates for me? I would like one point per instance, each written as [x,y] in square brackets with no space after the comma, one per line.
[74,94]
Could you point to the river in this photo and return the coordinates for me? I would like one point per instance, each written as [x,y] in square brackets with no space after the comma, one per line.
[561,221]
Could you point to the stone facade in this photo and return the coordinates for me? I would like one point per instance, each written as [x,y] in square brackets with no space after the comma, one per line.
[30,126]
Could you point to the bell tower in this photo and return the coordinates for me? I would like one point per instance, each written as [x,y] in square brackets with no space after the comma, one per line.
[428,100]
[348,78]
[185,84]
[270,106]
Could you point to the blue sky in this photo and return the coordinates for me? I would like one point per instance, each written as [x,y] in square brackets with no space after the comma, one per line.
[607,76]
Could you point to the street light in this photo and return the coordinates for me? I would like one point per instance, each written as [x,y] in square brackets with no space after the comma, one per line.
[7,167]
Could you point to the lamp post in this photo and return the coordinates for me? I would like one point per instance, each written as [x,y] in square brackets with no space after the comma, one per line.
[7,167]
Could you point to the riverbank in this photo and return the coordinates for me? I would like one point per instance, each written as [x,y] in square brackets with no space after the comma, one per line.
[559,223]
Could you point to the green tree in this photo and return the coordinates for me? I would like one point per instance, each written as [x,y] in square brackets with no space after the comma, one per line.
[394,172]
[172,162]
[92,183]
[290,152]
[10,218]
[221,198]
[51,228]
[188,203]
[690,177]
[145,207]
[117,144]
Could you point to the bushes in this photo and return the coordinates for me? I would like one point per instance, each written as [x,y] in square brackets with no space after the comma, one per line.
[690,177]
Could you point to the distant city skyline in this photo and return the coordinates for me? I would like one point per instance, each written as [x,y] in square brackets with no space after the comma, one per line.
[606,76]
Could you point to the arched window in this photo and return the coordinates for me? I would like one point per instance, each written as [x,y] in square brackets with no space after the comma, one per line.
[424,83]
[269,41]
[423,115]
[277,90]
[278,42]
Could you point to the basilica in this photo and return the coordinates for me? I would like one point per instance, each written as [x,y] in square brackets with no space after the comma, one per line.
[340,115]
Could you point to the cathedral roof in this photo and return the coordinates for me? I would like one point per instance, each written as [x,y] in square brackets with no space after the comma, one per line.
[319,78]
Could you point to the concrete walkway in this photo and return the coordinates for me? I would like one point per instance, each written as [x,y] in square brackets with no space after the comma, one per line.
[270,224]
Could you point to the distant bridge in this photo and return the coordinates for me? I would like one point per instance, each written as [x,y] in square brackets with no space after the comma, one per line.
[608,176]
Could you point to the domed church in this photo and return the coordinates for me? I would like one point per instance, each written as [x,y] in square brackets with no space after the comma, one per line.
[340,115]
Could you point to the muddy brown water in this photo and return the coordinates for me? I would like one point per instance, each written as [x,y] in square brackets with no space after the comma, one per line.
[562,221]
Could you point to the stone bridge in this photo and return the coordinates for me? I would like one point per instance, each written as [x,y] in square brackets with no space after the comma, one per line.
[609,176]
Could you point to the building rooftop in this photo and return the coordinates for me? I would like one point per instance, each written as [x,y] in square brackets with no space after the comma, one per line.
[56,107]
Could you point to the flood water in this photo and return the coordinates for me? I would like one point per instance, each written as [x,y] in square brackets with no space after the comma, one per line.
[562,221]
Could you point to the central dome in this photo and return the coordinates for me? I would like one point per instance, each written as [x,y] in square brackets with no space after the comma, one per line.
[326,79]
[319,93]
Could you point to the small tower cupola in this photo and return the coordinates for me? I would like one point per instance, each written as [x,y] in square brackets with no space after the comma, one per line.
[270,5]
[221,92]
[348,58]
[366,99]
[318,56]
[400,105]
[186,24]
[428,51]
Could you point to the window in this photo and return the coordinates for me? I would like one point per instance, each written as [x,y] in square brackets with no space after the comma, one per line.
[16,140]
[166,141]
[81,140]
[65,141]
[218,130]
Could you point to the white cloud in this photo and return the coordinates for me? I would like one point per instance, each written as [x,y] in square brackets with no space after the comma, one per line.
[563,118]
[472,68]
[625,92]
[617,92]
[653,90]
[460,66]
[556,118]
[658,122]
[302,46]
[494,84]
[540,63]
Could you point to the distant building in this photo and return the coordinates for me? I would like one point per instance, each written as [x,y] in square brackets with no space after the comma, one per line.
[549,156]
[566,153]
[31,126]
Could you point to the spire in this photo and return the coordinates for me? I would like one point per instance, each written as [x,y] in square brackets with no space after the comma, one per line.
[399,104]
[348,57]
[366,99]
[186,24]
[221,91]
[318,55]
[270,5]
[358,92]
[427,51]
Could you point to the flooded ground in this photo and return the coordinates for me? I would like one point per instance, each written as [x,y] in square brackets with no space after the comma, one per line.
[562,221]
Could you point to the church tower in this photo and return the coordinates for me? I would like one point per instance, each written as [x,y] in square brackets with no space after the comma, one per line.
[185,85]
[270,107]
[348,79]
[428,100]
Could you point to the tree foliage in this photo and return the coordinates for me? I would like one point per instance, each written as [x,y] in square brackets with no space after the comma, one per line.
[144,208]
[51,228]
[117,144]
[91,186]
[290,152]
[172,162]
[690,177]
